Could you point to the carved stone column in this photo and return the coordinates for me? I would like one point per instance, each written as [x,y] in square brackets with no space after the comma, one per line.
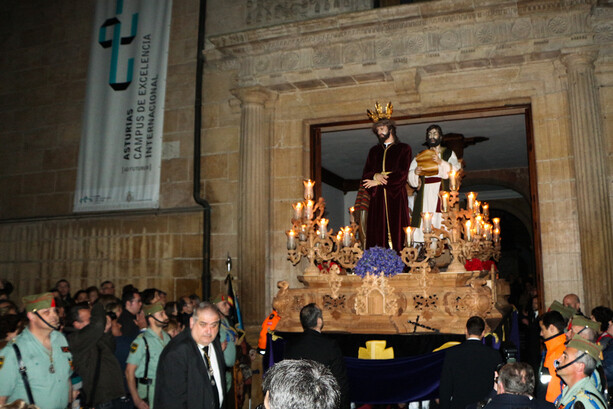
[254,201]
[593,204]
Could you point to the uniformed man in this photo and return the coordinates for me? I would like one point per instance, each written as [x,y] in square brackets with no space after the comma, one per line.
[588,329]
[575,367]
[144,355]
[43,353]
[227,335]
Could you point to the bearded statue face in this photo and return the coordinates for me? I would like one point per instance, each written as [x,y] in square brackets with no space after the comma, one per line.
[434,138]
[383,132]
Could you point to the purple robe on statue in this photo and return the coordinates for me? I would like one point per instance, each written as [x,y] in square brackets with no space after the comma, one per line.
[395,159]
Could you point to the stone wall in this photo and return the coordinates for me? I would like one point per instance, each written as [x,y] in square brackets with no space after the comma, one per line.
[263,88]
[444,57]
[44,67]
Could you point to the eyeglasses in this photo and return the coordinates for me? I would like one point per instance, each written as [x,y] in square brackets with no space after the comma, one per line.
[260,406]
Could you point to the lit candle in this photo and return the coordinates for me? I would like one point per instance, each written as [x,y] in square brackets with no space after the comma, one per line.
[347,236]
[496,221]
[302,235]
[470,200]
[467,231]
[308,209]
[323,227]
[339,236]
[477,208]
[453,180]
[488,231]
[426,222]
[297,210]
[478,222]
[308,189]
[408,232]
[486,210]
[496,235]
[291,239]
[444,202]
[351,217]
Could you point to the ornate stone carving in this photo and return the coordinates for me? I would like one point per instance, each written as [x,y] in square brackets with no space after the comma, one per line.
[450,40]
[415,43]
[486,34]
[557,25]
[358,52]
[521,29]
[326,56]
[289,61]
[604,32]
[261,12]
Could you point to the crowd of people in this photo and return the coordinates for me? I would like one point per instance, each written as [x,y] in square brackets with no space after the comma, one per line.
[95,349]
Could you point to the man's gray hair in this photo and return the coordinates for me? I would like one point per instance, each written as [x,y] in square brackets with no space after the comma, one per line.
[588,362]
[205,305]
[301,384]
[517,378]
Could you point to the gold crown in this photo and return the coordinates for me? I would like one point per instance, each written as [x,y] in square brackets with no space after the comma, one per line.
[379,113]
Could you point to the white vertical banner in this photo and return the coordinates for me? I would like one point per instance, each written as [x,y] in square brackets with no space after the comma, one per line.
[121,142]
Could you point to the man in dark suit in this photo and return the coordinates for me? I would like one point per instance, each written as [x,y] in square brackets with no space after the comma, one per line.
[191,369]
[468,369]
[313,345]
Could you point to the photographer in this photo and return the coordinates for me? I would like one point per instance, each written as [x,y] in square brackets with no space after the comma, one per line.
[92,346]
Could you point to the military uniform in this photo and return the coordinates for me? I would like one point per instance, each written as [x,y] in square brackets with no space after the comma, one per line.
[138,357]
[228,334]
[50,388]
[582,393]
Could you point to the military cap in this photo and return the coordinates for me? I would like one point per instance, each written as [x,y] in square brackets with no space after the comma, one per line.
[219,298]
[583,345]
[37,302]
[151,309]
[566,312]
[581,321]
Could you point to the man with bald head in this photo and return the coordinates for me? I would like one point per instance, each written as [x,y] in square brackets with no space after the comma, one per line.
[572,301]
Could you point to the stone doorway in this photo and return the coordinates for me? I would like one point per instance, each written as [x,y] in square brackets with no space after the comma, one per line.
[497,148]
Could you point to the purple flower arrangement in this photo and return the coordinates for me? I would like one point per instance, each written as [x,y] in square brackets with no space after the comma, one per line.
[378,261]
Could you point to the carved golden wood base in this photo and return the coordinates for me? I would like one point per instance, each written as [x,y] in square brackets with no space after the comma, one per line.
[382,305]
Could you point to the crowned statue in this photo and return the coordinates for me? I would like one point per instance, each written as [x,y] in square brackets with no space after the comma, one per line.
[384,180]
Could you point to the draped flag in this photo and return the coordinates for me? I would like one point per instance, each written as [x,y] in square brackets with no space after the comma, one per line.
[233,301]
[121,140]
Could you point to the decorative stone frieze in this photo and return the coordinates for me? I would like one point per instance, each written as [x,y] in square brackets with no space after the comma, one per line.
[414,36]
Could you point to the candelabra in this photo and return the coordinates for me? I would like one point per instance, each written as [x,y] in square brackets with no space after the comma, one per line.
[314,241]
[465,233]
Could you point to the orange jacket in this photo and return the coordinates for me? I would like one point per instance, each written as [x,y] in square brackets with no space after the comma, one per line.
[269,324]
[555,346]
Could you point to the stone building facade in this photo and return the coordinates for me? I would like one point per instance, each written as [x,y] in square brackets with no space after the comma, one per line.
[274,69]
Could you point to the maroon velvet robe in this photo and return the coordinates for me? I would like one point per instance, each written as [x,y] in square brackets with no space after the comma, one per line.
[397,161]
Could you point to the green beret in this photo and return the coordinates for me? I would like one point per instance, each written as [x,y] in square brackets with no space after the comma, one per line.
[151,309]
[581,321]
[36,302]
[566,312]
[583,345]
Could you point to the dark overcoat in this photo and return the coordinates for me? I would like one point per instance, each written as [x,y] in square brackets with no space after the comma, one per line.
[182,380]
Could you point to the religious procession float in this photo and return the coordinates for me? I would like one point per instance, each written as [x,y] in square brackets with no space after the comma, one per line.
[429,286]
